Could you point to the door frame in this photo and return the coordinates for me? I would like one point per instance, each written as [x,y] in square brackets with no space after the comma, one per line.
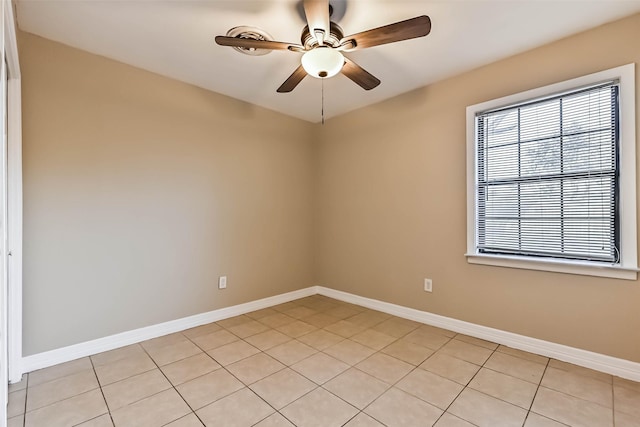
[14,194]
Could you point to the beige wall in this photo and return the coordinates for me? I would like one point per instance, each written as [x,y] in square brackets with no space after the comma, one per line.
[392,200]
[139,191]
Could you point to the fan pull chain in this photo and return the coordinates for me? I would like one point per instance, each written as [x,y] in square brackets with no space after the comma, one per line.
[322,101]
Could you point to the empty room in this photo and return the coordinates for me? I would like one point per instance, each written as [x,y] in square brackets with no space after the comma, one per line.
[320,213]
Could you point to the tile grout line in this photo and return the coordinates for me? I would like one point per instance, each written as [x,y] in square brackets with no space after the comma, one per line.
[221,367]
[317,386]
[546,366]
[321,386]
[392,385]
[538,385]
[470,379]
[431,355]
[408,373]
[169,381]
[93,368]
[238,379]
[400,390]
[101,391]
[361,411]
[463,388]
[565,393]
[135,375]
[57,401]
[26,395]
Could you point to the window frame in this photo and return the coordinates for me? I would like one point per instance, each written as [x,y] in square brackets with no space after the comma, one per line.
[627,267]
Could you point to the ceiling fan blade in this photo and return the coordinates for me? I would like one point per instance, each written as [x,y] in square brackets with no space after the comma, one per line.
[419,26]
[293,80]
[359,75]
[257,44]
[317,13]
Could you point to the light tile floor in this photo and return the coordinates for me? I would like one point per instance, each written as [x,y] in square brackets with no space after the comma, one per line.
[320,362]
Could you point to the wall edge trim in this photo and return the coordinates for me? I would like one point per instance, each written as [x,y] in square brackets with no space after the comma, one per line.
[65,354]
[588,359]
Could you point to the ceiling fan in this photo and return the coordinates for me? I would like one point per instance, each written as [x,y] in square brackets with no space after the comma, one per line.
[323,42]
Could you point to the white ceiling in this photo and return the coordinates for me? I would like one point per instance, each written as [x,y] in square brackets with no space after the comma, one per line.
[175,38]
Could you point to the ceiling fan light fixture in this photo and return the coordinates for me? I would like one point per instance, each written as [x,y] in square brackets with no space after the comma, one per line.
[322,62]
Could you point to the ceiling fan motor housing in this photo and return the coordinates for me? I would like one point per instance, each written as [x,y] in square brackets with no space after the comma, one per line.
[309,40]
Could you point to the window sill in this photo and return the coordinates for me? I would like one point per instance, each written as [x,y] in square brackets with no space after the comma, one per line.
[557,266]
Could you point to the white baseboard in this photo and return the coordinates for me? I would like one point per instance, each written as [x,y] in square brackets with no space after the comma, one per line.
[88,348]
[600,362]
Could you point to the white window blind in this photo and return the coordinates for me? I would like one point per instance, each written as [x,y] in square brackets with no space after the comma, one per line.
[547,177]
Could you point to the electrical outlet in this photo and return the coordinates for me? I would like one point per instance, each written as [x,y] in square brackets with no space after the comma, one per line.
[428,285]
[222,282]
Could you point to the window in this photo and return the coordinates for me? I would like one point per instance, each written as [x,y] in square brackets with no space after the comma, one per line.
[551,177]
